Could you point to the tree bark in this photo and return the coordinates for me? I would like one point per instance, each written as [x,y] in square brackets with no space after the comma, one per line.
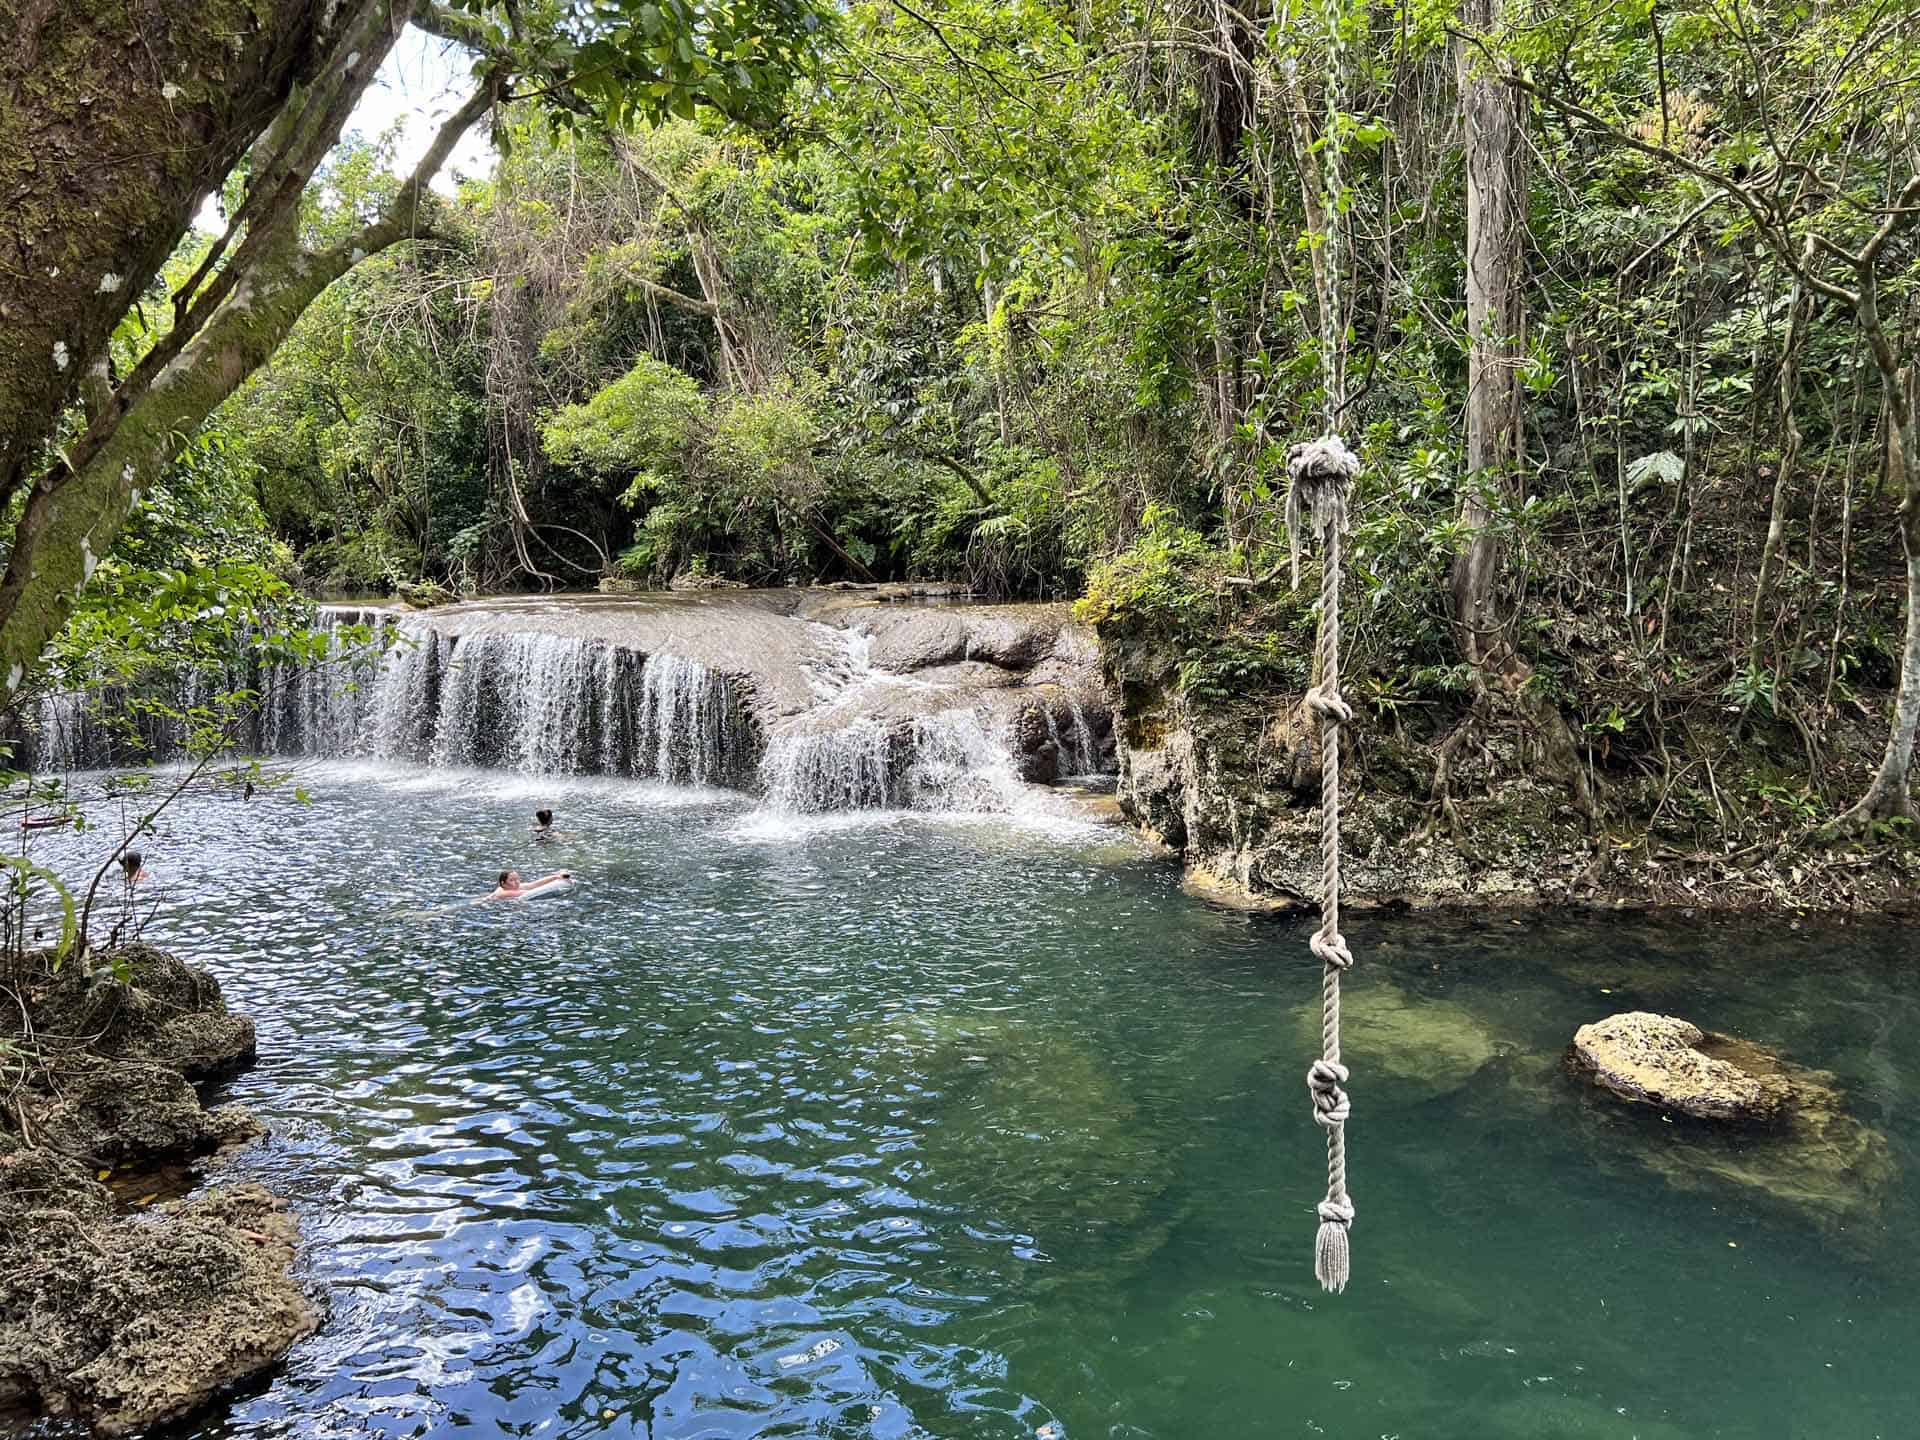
[1495,321]
[72,517]
[116,121]
[1787,397]
[1889,795]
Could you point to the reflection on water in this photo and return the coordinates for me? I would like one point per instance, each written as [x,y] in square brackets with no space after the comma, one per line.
[938,1127]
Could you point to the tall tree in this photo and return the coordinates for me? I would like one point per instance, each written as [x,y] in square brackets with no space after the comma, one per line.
[282,77]
[1496,321]
[115,122]
[1496,235]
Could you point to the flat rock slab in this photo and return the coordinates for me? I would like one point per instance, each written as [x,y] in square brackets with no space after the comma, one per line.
[1668,1062]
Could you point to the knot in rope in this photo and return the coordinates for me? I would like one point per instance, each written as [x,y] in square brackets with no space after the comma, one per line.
[1319,474]
[1336,1212]
[1325,705]
[1330,1103]
[1332,951]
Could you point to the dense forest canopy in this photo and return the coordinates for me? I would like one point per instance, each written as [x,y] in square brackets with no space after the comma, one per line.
[1616,302]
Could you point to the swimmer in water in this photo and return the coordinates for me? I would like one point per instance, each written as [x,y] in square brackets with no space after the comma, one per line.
[543,826]
[512,887]
[130,864]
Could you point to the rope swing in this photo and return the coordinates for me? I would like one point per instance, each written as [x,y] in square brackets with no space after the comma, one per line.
[1321,474]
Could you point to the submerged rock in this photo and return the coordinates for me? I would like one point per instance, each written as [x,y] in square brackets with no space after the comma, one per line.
[1663,1061]
[1025,1124]
[1411,1048]
[1773,1131]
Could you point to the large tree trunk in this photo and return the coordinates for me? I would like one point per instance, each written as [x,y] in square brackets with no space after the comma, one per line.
[116,120]
[72,516]
[1890,793]
[1495,322]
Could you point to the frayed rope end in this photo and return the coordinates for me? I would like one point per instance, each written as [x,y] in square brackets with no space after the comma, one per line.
[1330,1256]
[1318,473]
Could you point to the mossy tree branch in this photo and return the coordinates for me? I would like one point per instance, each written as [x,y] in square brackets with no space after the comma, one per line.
[73,517]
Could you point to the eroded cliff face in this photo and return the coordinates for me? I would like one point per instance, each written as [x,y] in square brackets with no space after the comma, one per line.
[1231,786]
[1233,789]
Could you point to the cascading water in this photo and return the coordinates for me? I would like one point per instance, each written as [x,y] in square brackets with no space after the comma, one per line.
[541,704]
[944,761]
[1079,749]
[618,690]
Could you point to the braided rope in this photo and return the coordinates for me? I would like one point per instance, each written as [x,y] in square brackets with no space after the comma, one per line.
[1321,475]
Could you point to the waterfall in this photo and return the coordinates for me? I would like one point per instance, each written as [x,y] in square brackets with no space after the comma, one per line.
[69,736]
[945,761]
[540,704]
[858,768]
[1082,756]
[688,720]
[594,690]
[83,730]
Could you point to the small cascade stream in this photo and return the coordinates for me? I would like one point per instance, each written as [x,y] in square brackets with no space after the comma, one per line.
[944,761]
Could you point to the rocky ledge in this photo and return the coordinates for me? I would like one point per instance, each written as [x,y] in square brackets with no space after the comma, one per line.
[128,1318]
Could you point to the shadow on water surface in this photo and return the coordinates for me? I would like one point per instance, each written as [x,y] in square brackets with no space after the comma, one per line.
[930,1127]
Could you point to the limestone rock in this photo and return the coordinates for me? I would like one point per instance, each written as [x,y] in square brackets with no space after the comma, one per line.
[1667,1062]
[1802,1151]
[117,1114]
[1008,638]
[913,639]
[130,1323]
[166,1012]
[1205,882]
[131,1320]
[1824,1166]
[1036,754]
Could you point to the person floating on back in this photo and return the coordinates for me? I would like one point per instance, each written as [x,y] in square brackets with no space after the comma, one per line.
[512,887]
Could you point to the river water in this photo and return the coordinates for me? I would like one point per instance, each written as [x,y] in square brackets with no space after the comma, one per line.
[889,1126]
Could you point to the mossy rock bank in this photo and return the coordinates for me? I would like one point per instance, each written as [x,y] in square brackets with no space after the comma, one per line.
[164,1012]
[127,1320]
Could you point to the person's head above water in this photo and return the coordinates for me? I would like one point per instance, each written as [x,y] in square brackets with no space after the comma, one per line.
[544,819]
[509,879]
[130,861]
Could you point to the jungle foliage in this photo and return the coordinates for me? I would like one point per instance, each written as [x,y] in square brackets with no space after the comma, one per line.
[1039,296]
